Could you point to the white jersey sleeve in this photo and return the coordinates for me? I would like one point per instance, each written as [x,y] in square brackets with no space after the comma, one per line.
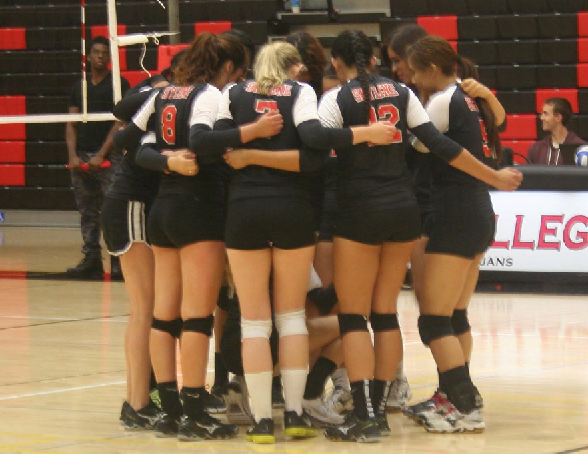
[329,112]
[224,110]
[148,138]
[205,107]
[305,105]
[141,118]
[438,113]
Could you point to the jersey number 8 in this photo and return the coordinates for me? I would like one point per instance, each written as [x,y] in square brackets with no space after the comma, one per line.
[387,112]
[168,124]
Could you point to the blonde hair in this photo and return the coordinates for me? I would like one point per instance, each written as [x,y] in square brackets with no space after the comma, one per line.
[272,64]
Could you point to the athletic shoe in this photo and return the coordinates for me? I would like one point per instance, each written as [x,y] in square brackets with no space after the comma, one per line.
[436,400]
[218,390]
[261,432]
[400,394]
[355,430]
[382,420]
[472,422]
[340,401]
[166,426]
[237,402]
[154,397]
[298,426]
[214,404]
[205,427]
[144,418]
[321,414]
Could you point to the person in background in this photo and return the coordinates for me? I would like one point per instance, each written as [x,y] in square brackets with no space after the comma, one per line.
[555,118]
[92,142]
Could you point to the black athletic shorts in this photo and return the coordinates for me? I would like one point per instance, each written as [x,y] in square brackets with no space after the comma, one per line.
[259,223]
[463,222]
[427,221]
[395,225]
[123,223]
[329,216]
[231,345]
[178,220]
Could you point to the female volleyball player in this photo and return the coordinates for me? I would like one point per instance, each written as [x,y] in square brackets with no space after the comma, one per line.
[270,227]
[463,226]
[378,224]
[186,226]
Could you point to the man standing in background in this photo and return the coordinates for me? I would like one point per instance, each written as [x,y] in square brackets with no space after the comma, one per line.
[91,143]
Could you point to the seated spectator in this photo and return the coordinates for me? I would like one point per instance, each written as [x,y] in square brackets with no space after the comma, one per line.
[556,115]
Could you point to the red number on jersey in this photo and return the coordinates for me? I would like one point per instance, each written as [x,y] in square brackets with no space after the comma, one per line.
[387,112]
[485,143]
[168,124]
[266,105]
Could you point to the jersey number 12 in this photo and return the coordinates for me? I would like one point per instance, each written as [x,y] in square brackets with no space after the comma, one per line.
[387,112]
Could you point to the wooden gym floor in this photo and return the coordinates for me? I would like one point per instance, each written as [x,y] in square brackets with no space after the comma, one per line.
[62,370]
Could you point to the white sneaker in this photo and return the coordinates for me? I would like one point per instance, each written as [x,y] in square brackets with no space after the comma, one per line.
[400,394]
[236,399]
[441,419]
[340,401]
[321,414]
[472,422]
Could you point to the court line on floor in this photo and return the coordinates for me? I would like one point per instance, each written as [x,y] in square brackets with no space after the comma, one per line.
[569,451]
[62,390]
[89,319]
[48,380]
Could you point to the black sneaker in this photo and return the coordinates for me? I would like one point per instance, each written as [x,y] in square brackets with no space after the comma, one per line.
[355,430]
[90,267]
[237,401]
[205,427]
[261,432]
[383,425]
[296,426]
[115,269]
[166,426]
[144,418]
[218,390]
[213,404]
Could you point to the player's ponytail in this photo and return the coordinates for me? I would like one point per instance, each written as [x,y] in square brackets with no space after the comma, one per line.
[272,64]
[205,57]
[354,48]
[433,50]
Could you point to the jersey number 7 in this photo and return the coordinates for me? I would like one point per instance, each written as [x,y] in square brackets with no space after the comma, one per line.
[263,106]
[168,124]
[387,112]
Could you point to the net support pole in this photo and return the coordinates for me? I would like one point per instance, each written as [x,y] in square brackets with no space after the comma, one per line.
[173,20]
[113,32]
[84,77]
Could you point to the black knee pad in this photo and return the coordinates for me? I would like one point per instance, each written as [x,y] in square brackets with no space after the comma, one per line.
[171,327]
[433,327]
[466,397]
[199,325]
[324,299]
[352,322]
[384,322]
[460,321]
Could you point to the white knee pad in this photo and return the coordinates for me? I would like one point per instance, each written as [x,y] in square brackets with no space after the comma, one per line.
[291,323]
[315,280]
[251,329]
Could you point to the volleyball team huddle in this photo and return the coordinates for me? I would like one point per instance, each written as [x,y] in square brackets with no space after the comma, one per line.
[306,214]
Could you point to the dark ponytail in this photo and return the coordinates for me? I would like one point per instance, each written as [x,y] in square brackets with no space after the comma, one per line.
[354,48]
[203,60]
[433,50]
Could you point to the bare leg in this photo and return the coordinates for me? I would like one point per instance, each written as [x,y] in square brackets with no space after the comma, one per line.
[138,270]
[323,262]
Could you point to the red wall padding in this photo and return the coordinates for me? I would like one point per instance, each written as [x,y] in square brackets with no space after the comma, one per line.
[543,94]
[520,127]
[582,75]
[443,26]
[212,27]
[12,175]
[13,105]
[13,152]
[13,39]
[165,54]
[583,23]
[134,77]
[102,30]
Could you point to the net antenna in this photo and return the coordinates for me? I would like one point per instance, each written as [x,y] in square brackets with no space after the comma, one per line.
[142,38]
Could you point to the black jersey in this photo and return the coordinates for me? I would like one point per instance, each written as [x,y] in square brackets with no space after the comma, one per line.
[457,116]
[242,104]
[176,109]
